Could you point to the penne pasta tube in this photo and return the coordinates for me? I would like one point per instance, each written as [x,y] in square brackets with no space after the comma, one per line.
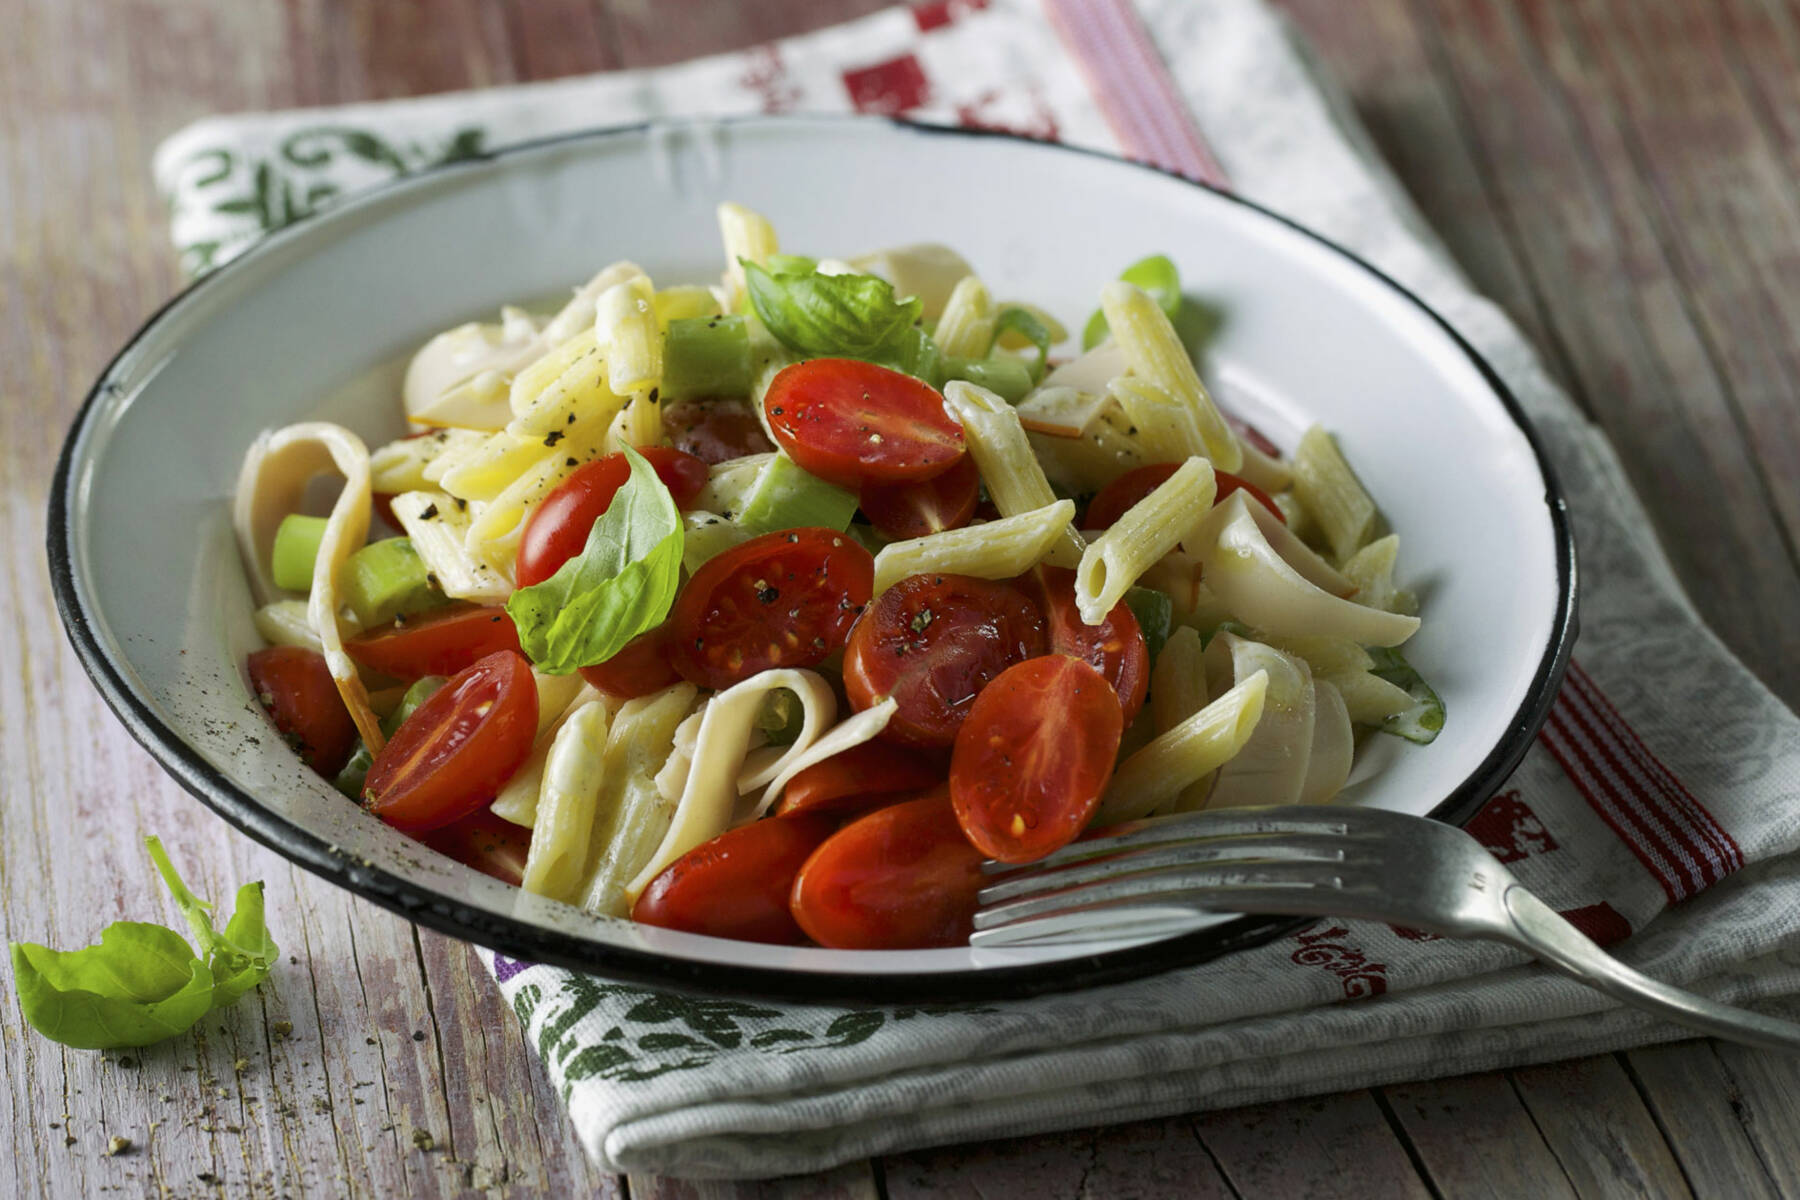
[488,470]
[565,809]
[1015,482]
[1148,531]
[747,236]
[1371,571]
[632,815]
[992,550]
[401,466]
[966,330]
[1184,755]
[517,799]
[628,336]
[1166,428]
[284,623]
[1155,353]
[683,302]
[507,511]
[1332,494]
[439,529]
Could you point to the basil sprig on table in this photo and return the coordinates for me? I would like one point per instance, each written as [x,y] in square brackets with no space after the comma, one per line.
[622,583]
[143,982]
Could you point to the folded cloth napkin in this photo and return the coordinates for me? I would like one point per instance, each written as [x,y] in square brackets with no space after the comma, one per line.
[1659,809]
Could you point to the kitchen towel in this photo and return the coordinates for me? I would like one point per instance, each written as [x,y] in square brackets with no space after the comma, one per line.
[1659,808]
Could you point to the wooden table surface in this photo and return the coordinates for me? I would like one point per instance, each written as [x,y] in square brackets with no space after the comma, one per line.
[1622,175]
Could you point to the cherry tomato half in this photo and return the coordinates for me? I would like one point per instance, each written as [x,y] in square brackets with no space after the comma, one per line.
[785,599]
[492,845]
[559,528]
[910,510]
[640,667]
[903,877]
[1034,756]
[850,422]
[1253,435]
[737,885]
[440,642]
[451,756]
[1115,647]
[861,777]
[932,642]
[294,685]
[715,430]
[1122,493]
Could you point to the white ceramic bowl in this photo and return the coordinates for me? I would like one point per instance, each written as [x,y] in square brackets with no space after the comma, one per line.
[312,322]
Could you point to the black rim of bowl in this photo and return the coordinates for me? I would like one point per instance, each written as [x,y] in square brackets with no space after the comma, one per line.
[523,940]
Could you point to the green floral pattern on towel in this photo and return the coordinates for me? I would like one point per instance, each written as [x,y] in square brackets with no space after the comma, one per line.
[235,197]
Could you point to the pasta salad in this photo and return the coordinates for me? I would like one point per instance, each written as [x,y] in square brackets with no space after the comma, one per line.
[770,608]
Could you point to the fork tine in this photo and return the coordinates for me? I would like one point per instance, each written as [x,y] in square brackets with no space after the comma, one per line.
[1231,884]
[1153,916]
[1157,857]
[1201,826]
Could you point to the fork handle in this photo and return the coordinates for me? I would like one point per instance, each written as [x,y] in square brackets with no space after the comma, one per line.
[1542,930]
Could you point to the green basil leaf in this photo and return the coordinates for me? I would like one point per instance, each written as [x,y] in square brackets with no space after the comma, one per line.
[845,316]
[1156,275]
[1425,719]
[620,585]
[1033,330]
[141,984]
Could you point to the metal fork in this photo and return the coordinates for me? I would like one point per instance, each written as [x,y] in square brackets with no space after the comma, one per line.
[1159,874]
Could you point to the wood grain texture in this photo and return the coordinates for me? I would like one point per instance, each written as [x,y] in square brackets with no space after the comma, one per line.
[1619,174]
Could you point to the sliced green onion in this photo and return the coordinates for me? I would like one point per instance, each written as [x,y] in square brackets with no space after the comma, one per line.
[385,579]
[296,549]
[706,356]
[785,496]
[350,780]
[1005,376]
[1155,614]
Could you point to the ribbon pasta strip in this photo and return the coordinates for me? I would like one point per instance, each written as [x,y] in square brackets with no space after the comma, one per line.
[271,484]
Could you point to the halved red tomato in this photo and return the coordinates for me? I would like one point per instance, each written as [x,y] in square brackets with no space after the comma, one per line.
[851,422]
[442,641]
[294,685]
[737,885]
[1034,756]
[451,756]
[911,510]
[640,667]
[932,642]
[559,527]
[785,599]
[1253,435]
[1122,493]
[1115,647]
[861,777]
[715,430]
[903,877]
[490,844]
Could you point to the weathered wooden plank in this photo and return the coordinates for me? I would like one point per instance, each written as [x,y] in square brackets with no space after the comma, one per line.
[1324,1146]
[1475,1138]
[1597,1126]
[1705,1119]
[1584,225]
[853,1181]
[1143,1158]
[1763,1091]
[652,32]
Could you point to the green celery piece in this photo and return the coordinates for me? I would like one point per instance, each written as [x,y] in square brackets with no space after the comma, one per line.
[706,356]
[1155,614]
[1005,376]
[781,717]
[620,585]
[385,579]
[1156,275]
[296,549]
[1425,719]
[350,780]
[786,496]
